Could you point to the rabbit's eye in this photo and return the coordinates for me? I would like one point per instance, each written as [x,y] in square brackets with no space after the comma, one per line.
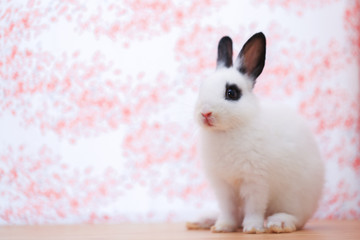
[232,92]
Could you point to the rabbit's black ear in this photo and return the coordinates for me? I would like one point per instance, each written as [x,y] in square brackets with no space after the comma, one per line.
[225,52]
[251,59]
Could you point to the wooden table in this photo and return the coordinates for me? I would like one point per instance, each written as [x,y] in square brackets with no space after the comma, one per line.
[324,230]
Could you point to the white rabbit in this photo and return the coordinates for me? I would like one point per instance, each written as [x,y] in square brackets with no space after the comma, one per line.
[261,159]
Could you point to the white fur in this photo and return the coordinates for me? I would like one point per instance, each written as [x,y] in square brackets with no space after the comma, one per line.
[261,159]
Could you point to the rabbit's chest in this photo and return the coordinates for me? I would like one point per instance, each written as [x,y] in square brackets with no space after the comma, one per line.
[229,158]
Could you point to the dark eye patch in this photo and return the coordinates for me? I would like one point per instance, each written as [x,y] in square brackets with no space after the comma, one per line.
[232,92]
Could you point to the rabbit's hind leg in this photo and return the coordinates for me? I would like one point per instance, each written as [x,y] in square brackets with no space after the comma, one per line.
[201,223]
[281,223]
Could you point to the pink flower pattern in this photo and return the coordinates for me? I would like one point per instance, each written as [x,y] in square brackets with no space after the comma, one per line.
[96,101]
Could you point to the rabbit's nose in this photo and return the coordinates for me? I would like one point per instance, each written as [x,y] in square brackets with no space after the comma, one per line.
[206,115]
[207,119]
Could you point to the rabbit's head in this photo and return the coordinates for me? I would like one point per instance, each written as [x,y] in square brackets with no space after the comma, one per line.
[226,100]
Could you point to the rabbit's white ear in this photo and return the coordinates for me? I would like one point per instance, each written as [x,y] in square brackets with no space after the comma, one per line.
[225,52]
[251,59]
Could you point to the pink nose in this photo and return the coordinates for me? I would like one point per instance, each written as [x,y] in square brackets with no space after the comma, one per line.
[206,115]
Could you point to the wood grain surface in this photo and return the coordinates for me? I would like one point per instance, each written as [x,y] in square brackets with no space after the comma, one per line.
[339,230]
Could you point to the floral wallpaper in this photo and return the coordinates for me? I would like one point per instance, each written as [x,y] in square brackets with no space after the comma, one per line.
[96,101]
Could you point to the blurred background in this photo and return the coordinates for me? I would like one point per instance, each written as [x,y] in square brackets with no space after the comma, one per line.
[96,101]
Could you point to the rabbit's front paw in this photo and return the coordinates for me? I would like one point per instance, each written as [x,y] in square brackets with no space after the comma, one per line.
[253,229]
[253,225]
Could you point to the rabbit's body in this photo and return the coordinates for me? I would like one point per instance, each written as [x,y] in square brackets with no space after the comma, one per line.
[260,158]
[276,152]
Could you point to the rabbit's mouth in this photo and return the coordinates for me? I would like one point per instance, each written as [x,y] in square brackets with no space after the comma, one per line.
[208,122]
